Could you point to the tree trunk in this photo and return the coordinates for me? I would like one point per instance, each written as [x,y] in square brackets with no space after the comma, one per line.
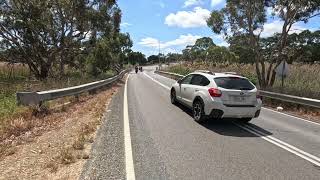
[258,74]
[44,72]
[61,67]
[269,73]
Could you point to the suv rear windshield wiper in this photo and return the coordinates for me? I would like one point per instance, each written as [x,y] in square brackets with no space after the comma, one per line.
[245,88]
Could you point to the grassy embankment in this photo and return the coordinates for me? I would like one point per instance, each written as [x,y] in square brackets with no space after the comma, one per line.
[17,78]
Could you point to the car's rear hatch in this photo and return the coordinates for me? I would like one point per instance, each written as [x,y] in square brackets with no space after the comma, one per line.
[236,91]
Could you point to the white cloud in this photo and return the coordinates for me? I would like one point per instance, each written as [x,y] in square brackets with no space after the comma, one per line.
[224,43]
[216,2]
[189,3]
[188,19]
[269,29]
[125,24]
[183,40]
[149,42]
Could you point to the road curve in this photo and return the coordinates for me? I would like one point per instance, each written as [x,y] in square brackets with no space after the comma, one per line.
[168,144]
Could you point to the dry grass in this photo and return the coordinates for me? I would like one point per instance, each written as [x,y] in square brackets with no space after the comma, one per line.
[52,166]
[20,126]
[84,134]
[88,128]
[79,143]
[15,78]
[17,120]
[53,148]
[7,150]
[66,156]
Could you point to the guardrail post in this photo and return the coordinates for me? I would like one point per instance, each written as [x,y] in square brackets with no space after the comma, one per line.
[93,91]
[76,97]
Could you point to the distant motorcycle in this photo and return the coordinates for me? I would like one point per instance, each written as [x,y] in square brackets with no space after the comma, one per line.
[136,70]
[140,69]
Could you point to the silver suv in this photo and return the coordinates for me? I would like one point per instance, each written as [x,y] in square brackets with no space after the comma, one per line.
[217,95]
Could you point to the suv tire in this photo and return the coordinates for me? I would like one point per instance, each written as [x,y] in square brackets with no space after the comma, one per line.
[198,111]
[173,96]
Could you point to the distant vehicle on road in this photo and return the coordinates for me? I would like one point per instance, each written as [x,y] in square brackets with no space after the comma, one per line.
[217,95]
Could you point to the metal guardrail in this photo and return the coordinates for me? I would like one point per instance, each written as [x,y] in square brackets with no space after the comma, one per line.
[272,95]
[36,98]
[173,75]
[291,99]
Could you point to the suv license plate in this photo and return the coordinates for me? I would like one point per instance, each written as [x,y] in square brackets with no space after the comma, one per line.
[239,99]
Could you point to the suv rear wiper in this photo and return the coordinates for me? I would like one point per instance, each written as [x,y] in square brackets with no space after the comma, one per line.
[245,89]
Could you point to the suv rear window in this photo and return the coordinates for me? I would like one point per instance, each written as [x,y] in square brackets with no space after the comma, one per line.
[233,83]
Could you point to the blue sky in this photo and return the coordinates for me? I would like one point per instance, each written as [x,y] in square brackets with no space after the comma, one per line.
[177,23]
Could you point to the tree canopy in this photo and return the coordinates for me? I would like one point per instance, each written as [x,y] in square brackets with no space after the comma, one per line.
[49,34]
[243,20]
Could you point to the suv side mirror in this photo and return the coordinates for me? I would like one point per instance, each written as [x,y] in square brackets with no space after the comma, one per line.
[179,81]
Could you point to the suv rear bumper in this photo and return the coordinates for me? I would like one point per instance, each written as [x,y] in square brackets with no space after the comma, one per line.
[218,110]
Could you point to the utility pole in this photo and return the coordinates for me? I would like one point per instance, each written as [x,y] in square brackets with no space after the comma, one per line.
[159,55]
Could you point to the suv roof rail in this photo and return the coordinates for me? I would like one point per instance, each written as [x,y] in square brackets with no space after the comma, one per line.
[232,73]
[204,71]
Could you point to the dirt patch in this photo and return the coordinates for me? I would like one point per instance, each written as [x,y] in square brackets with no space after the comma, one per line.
[57,145]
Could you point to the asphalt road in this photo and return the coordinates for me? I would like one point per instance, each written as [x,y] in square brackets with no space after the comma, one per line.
[167,144]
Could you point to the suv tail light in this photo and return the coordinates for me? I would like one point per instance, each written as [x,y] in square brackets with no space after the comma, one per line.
[258,95]
[214,92]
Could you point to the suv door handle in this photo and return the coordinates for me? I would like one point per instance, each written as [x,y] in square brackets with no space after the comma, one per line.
[184,88]
[196,90]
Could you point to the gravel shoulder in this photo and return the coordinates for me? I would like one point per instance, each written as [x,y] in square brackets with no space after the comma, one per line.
[58,147]
[107,153]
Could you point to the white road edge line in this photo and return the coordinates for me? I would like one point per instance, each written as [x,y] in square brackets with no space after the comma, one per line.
[156,81]
[130,174]
[292,116]
[307,156]
[285,144]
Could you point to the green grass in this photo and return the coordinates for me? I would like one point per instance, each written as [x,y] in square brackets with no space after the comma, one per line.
[17,79]
[303,79]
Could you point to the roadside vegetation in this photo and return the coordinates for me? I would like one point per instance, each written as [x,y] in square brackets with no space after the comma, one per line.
[50,44]
[55,145]
[16,78]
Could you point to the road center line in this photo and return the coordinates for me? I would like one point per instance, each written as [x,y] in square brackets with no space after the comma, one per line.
[130,174]
[168,88]
[307,156]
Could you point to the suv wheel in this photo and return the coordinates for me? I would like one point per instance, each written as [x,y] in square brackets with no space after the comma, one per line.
[173,97]
[198,112]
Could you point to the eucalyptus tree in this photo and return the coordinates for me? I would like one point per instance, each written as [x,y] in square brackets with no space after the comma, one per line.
[45,34]
[242,17]
[246,18]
